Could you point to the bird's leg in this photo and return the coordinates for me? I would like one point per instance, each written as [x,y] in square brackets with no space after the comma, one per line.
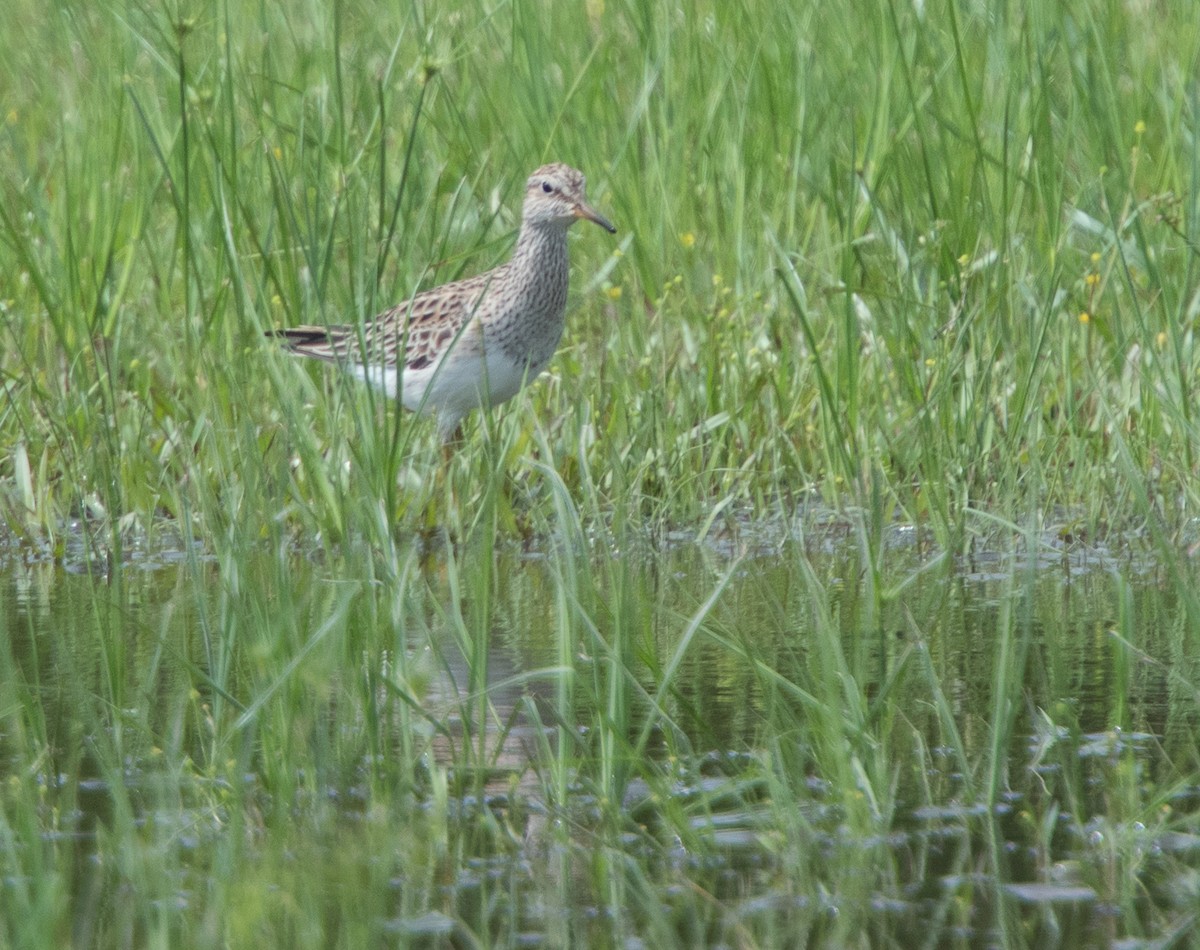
[441,499]
[451,444]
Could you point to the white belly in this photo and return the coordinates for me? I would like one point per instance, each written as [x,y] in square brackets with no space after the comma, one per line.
[460,383]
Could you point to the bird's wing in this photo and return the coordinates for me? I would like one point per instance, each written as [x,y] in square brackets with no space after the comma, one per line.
[421,328]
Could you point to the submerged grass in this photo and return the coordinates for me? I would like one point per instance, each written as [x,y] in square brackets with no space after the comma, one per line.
[931,264]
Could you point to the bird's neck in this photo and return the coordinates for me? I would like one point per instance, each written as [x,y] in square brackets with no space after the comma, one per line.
[541,245]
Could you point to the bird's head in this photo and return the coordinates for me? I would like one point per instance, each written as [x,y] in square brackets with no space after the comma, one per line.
[558,194]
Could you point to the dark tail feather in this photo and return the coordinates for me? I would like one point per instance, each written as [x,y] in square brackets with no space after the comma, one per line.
[308,341]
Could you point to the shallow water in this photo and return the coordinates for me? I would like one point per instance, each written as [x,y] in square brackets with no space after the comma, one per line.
[136,655]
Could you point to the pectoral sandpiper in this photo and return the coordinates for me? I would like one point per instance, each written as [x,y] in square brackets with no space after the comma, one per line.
[476,341]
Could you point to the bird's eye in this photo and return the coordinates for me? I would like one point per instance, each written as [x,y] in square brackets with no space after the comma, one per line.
[547,187]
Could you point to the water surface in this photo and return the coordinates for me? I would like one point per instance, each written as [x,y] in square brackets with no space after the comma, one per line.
[466,741]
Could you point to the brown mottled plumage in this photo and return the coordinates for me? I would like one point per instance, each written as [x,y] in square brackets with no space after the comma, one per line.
[475,341]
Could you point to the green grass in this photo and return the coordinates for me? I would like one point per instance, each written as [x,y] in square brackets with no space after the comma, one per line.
[924,265]
[867,281]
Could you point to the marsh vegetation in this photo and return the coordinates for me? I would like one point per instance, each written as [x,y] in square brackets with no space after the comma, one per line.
[836,586]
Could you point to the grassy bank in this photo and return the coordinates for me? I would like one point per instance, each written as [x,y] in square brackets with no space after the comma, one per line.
[929,265]
[932,259]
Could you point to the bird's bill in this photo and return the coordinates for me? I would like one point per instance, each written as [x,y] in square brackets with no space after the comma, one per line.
[591,214]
